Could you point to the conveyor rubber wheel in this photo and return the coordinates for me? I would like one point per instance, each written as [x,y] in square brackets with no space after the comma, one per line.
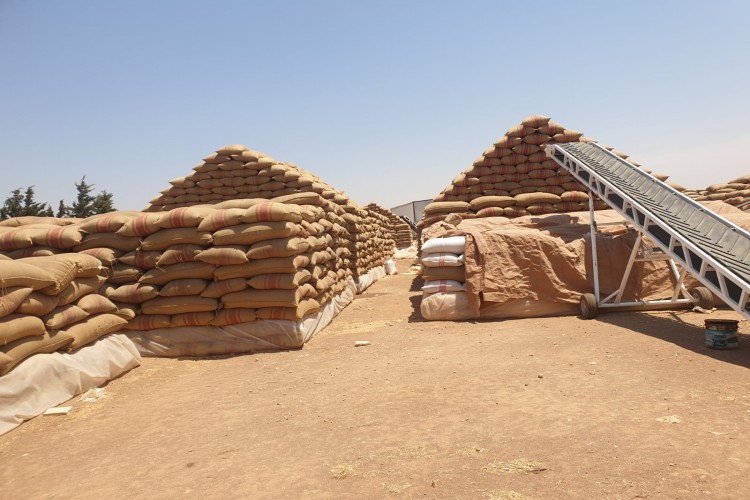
[588,306]
[703,297]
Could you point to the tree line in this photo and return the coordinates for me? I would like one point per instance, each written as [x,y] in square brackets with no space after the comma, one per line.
[22,203]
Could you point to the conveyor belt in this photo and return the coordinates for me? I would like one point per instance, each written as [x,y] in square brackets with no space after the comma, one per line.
[711,248]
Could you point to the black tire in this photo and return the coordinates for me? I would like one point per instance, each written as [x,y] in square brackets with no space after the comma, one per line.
[588,306]
[702,297]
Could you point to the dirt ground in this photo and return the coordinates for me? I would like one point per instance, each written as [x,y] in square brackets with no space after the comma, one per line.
[630,405]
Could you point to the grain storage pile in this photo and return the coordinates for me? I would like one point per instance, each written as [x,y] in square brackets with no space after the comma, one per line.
[735,192]
[401,231]
[236,172]
[51,303]
[514,178]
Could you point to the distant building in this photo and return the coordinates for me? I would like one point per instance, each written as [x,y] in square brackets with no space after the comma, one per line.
[412,210]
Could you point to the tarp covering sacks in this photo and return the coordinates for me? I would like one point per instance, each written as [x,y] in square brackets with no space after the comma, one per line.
[541,265]
[46,380]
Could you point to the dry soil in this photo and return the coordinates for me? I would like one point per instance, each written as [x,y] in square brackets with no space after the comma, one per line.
[630,405]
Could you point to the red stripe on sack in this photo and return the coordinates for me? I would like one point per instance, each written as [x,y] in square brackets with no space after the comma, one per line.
[264,212]
[139,226]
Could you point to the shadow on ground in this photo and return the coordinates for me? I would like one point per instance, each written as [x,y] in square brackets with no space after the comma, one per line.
[673,329]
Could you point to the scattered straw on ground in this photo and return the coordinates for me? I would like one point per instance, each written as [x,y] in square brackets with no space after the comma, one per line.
[518,465]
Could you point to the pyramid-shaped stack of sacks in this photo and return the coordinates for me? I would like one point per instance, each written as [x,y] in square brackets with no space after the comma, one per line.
[735,192]
[233,262]
[51,303]
[372,240]
[237,172]
[514,178]
[401,231]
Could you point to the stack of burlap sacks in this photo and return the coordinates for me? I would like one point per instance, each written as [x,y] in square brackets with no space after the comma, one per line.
[735,192]
[51,302]
[514,178]
[236,172]
[444,273]
[401,231]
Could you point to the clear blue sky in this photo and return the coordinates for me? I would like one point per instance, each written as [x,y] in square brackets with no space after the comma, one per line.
[386,100]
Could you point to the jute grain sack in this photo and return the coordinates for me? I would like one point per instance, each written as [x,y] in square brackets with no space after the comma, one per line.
[165,274]
[134,293]
[126,311]
[96,304]
[567,136]
[280,247]
[527,199]
[576,196]
[306,307]
[141,225]
[141,259]
[289,281]
[262,266]
[31,252]
[20,349]
[108,240]
[179,305]
[491,212]
[191,319]
[224,255]
[93,328]
[34,219]
[176,254]
[61,271]
[11,298]
[491,201]
[38,304]
[78,288]
[216,289]
[107,256]
[535,121]
[233,149]
[64,316]
[86,265]
[184,217]
[541,208]
[221,218]
[252,298]
[185,286]
[233,316]
[105,223]
[176,236]
[120,274]
[144,322]
[247,234]
[182,182]
[442,207]
[444,273]
[18,326]
[242,204]
[57,236]
[15,239]
[271,212]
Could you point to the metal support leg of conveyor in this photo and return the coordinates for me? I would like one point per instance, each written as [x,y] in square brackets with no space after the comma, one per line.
[590,304]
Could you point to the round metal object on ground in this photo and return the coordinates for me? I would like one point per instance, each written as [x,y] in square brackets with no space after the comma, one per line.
[703,297]
[588,306]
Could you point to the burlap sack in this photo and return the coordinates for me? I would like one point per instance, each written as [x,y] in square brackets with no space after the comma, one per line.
[141,259]
[64,316]
[306,307]
[18,326]
[179,253]
[18,350]
[191,319]
[289,281]
[11,299]
[233,316]
[166,238]
[247,234]
[144,322]
[224,255]
[184,217]
[134,293]
[185,286]
[78,288]
[141,225]
[38,304]
[216,289]
[93,328]
[165,274]
[179,305]
[262,266]
[96,304]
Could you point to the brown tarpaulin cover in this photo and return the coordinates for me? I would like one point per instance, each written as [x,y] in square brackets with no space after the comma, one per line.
[541,265]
